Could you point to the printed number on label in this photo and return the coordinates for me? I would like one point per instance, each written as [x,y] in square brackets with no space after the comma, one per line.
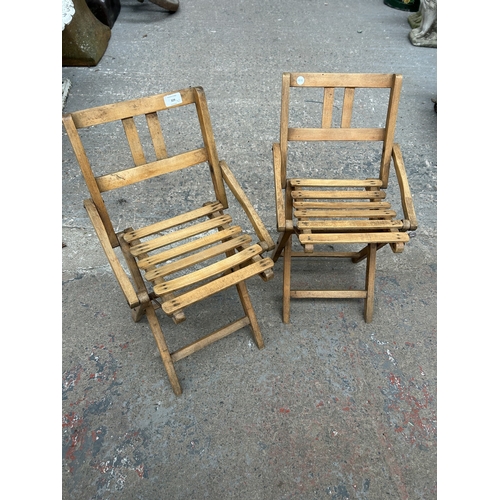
[172,99]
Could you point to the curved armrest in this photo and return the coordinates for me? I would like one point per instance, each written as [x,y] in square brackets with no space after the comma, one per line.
[404,187]
[252,215]
[123,280]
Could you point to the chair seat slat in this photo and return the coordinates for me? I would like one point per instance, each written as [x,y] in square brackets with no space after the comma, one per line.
[213,287]
[336,182]
[344,213]
[209,271]
[182,234]
[172,222]
[369,195]
[196,258]
[191,246]
[332,238]
[349,225]
[343,205]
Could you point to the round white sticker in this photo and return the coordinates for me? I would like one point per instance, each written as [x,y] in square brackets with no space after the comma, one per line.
[300,80]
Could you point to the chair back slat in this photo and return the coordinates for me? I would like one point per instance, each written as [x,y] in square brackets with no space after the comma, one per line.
[347,108]
[336,134]
[346,127]
[144,141]
[118,111]
[149,170]
[156,135]
[366,80]
[327,115]
[134,141]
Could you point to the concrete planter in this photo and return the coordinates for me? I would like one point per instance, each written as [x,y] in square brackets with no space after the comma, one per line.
[84,38]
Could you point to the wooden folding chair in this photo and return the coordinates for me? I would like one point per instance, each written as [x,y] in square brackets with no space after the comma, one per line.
[196,251]
[333,208]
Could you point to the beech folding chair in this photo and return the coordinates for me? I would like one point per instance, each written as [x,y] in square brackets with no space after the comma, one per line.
[187,253]
[333,208]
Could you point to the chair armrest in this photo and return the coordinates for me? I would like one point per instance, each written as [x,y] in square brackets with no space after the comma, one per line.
[280,200]
[123,280]
[252,215]
[404,187]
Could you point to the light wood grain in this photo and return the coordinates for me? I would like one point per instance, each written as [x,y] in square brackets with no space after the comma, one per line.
[333,212]
[187,256]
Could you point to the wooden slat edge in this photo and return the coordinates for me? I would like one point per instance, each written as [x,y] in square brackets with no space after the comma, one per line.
[208,271]
[349,225]
[135,174]
[389,237]
[125,109]
[153,260]
[367,80]
[336,134]
[170,306]
[198,257]
[207,209]
[335,182]
[181,234]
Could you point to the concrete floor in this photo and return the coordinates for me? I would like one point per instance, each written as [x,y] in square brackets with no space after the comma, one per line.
[332,407]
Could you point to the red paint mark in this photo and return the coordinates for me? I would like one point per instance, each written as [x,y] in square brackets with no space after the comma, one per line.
[75,422]
[284,410]
[346,408]
[412,418]
[140,471]
[124,346]
[71,420]
[320,404]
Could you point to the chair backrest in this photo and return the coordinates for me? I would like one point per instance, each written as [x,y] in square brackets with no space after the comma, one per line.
[333,127]
[143,142]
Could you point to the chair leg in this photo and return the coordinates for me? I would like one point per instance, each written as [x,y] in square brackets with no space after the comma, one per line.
[138,312]
[287,269]
[249,311]
[283,238]
[162,347]
[370,281]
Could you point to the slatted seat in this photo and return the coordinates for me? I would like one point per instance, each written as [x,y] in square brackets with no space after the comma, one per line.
[339,211]
[185,258]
